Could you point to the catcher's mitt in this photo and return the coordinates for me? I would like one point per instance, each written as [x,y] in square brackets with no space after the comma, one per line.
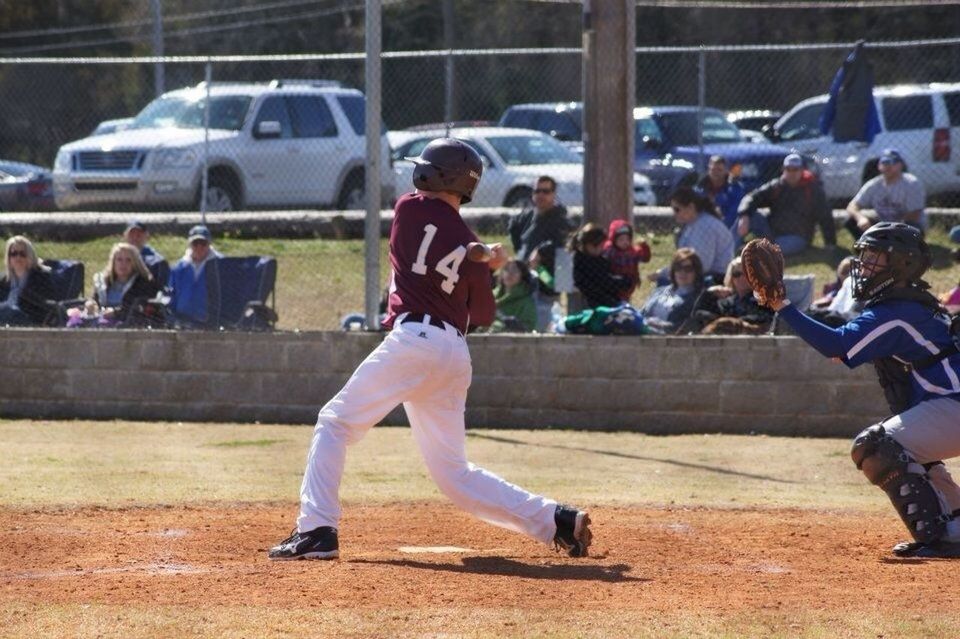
[762,263]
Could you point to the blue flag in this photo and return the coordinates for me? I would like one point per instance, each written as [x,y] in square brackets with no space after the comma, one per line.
[851,112]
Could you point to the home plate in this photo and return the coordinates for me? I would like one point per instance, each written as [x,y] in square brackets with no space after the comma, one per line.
[433,549]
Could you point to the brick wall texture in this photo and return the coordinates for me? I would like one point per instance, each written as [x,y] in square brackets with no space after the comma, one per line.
[769,385]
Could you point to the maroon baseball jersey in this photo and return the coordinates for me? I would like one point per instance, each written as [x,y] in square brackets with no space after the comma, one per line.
[428,249]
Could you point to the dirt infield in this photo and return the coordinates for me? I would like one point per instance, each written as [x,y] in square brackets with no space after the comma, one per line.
[650,559]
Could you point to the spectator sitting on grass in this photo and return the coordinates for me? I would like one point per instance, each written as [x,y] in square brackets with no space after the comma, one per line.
[137,234]
[591,271]
[539,229]
[516,310]
[797,206]
[669,306]
[188,286]
[892,196]
[723,189]
[702,230]
[25,286]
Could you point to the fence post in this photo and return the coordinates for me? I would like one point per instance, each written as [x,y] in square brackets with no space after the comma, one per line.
[701,102]
[207,80]
[449,95]
[158,71]
[372,28]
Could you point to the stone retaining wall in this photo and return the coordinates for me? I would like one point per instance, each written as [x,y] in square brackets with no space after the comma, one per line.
[774,385]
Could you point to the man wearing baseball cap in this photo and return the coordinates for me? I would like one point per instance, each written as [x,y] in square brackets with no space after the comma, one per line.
[137,234]
[797,205]
[187,284]
[892,196]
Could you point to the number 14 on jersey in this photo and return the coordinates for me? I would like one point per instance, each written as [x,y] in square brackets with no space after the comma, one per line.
[448,266]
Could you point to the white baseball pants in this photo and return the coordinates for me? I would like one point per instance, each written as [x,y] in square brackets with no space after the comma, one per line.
[427,369]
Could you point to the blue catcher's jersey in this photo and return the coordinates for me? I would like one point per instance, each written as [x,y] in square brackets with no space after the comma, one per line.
[906,330]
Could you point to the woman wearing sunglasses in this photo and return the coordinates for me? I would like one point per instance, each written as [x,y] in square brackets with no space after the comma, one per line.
[25,285]
[670,305]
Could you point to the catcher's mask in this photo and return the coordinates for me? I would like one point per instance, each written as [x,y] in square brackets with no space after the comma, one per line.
[448,164]
[908,258]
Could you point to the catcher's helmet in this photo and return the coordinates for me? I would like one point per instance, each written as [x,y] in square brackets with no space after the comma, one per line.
[448,164]
[908,258]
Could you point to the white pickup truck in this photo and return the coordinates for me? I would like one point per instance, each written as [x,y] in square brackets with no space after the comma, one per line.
[922,121]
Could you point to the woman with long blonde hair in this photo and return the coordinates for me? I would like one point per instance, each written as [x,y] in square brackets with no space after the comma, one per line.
[124,281]
[25,285]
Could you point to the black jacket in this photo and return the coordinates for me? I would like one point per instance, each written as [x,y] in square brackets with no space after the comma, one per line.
[598,285]
[530,230]
[141,289]
[33,298]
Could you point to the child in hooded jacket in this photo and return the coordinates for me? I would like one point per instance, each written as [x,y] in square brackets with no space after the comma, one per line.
[591,270]
[625,256]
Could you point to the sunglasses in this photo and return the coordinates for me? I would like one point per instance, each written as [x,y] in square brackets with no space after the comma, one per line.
[544,191]
[17,254]
[686,268]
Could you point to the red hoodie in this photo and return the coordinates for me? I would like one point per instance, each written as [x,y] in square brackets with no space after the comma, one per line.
[625,262]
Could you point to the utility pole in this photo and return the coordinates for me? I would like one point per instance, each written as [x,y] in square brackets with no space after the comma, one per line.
[609,96]
[158,79]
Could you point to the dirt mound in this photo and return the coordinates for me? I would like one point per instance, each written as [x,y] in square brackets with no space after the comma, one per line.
[416,555]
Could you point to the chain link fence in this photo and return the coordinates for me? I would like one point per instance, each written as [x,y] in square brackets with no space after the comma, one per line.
[282,133]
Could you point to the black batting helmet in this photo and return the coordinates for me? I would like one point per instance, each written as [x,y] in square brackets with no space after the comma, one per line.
[908,259]
[448,164]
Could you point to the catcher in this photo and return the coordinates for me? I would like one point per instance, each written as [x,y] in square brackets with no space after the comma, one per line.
[907,335]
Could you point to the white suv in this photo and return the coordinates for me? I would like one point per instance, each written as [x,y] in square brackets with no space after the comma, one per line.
[286,143]
[920,120]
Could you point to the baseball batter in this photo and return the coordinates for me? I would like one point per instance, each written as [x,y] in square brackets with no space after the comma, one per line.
[436,293]
[907,335]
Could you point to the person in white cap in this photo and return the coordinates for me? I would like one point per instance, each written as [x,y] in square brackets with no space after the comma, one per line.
[892,196]
[797,206]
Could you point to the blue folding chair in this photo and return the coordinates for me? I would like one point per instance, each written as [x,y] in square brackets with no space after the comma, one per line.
[161,272]
[66,277]
[238,290]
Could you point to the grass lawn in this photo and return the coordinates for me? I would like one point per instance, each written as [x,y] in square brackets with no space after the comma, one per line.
[319,281]
[76,463]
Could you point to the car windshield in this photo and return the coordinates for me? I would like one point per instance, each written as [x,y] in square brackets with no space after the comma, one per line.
[680,128]
[518,150]
[226,112]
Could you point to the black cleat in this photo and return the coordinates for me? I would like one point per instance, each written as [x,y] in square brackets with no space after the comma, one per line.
[319,543]
[930,550]
[573,531]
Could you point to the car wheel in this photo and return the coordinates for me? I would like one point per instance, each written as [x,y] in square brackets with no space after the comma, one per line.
[222,194]
[353,192]
[518,197]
